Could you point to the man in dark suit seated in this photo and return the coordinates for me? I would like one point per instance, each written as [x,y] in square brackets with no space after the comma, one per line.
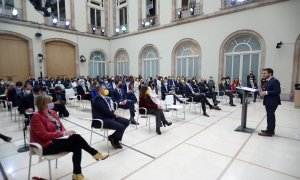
[128,89]
[197,97]
[118,96]
[253,84]
[27,103]
[271,97]
[165,90]
[224,89]
[101,109]
[207,90]
[59,100]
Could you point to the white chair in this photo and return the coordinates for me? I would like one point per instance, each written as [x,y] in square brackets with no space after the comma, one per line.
[36,149]
[169,105]
[116,106]
[71,95]
[144,115]
[105,132]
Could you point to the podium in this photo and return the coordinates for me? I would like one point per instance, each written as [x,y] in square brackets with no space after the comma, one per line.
[243,127]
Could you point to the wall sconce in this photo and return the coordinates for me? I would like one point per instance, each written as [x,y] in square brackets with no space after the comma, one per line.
[278,45]
[82,58]
[40,57]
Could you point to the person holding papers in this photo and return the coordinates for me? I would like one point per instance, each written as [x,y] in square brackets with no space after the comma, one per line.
[47,130]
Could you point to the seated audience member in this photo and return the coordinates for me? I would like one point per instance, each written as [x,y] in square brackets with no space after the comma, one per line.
[212,83]
[180,86]
[46,129]
[171,82]
[101,109]
[94,89]
[207,90]
[263,84]
[129,90]
[198,97]
[165,90]
[33,82]
[145,101]
[251,75]
[74,83]
[27,102]
[60,84]
[19,86]
[59,100]
[11,95]
[3,97]
[5,138]
[25,91]
[118,96]
[224,89]
[81,89]
[252,84]
[234,85]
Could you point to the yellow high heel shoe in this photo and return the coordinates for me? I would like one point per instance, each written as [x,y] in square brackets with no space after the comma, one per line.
[100,156]
[78,177]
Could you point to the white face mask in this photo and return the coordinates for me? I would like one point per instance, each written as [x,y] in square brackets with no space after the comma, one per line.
[27,91]
[2,83]
[50,106]
[106,82]
[165,84]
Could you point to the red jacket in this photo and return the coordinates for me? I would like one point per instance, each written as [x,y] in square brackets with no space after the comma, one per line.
[43,129]
[233,87]
[147,103]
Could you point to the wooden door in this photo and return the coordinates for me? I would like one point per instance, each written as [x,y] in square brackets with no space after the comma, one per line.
[60,59]
[14,58]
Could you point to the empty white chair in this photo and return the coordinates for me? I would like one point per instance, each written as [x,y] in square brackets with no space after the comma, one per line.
[169,105]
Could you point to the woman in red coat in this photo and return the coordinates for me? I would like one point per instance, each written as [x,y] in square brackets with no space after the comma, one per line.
[47,130]
[152,108]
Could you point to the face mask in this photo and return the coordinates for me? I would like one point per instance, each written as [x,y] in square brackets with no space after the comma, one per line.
[165,84]
[127,83]
[148,91]
[105,82]
[223,82]
[251,81]
[50,106]
[106,92]
[2,83]
[27,91]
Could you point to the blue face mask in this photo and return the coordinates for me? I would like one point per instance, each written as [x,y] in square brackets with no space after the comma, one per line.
[50,106]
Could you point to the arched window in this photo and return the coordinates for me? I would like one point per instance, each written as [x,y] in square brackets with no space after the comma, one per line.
[150,62]
[122,63]
[98,64]
[187,59]
[242,55]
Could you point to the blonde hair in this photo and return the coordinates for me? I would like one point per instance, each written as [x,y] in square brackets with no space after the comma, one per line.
[42,100]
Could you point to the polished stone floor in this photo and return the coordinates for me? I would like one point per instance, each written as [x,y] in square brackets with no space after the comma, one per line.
[195,148]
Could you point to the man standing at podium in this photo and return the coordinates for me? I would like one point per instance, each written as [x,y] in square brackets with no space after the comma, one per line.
[271,97]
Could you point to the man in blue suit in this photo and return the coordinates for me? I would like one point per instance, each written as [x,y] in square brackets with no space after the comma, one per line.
[271,101]
[101,109]
[118,96]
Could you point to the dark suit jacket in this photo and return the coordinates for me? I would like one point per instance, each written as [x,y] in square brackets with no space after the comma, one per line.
[117,97]
[100,109]
[164,91]
[180,88]
[274,90]
[61,96]
[187,91]
[26,103]
[11,96]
